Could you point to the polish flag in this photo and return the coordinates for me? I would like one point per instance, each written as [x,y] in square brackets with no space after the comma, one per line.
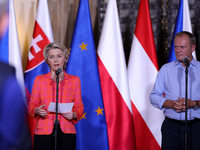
[142,71]
[114,83]
[42,35]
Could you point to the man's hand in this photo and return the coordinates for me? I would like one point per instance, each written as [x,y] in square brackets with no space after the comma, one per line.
[180,104]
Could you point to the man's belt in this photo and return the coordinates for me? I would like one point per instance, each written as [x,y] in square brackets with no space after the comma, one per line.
[182,122]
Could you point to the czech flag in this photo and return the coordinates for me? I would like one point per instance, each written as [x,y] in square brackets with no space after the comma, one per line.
[183,23]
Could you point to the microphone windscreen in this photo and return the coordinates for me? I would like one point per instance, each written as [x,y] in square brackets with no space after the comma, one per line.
[186,61]
[58,71]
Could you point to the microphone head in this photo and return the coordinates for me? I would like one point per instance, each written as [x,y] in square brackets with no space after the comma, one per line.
[58,71]
[186,61]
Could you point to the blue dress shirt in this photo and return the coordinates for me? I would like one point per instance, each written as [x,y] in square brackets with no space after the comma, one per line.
[171,81]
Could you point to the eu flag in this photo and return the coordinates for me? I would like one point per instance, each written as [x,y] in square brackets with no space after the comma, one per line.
[92,128]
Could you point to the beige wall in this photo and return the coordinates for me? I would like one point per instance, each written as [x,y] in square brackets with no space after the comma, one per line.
[62,15]
[25,12]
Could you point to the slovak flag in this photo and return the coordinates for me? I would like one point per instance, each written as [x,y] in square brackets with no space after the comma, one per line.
[36,65]
[183,23]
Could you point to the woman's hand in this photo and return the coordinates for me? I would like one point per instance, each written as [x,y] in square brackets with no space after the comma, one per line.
[40,111]
[69,115]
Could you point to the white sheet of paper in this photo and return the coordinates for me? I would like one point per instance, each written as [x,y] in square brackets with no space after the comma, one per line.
[62,107]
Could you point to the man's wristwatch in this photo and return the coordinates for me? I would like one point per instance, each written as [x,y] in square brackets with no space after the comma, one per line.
[196,106]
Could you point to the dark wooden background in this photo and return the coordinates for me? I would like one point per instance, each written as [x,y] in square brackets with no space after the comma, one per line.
[163,15]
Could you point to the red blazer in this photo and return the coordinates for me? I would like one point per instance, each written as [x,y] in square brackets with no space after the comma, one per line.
[44,92]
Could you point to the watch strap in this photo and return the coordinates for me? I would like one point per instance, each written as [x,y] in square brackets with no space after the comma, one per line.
[197,105]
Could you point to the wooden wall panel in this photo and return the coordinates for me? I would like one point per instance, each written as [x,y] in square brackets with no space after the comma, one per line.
[63,16]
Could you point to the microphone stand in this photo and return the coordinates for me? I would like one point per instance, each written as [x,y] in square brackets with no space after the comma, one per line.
[56,121]
[186,88]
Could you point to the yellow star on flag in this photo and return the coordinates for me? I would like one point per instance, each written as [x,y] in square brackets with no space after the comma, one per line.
[69,51]
[83,116]
[83,46]
[99,111]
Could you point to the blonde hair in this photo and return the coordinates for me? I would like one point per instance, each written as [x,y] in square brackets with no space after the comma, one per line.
[54,45]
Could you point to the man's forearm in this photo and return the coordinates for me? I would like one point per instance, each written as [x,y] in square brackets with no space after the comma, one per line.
[168,104]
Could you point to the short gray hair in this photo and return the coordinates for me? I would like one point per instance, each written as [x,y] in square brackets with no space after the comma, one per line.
[191,36]
[56,46]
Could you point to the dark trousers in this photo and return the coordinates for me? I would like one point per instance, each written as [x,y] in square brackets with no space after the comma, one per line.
[173,135]
[47,142]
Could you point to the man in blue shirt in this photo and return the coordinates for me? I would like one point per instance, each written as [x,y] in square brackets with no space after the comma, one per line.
[168,95]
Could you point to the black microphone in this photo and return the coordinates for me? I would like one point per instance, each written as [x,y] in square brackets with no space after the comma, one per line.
[58,71]
[186,61]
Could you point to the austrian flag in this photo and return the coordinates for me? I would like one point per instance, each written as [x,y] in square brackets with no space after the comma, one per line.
[142,71]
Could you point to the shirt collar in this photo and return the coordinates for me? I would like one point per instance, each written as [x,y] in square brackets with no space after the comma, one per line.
[193,62]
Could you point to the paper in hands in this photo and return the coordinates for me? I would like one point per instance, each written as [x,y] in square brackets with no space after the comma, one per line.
[62,107]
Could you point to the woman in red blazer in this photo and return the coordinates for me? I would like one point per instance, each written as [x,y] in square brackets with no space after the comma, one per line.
[44,91]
